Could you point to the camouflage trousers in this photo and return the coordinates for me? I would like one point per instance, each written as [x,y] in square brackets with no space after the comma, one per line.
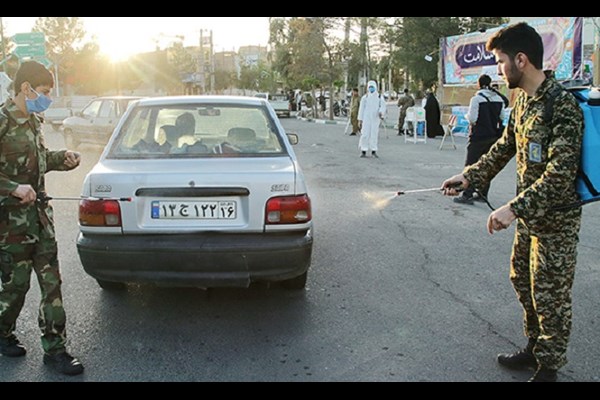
[16,264]
[542,273]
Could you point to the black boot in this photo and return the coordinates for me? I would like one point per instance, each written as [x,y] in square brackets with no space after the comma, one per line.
[374,154]
[363,154]
[11,347]
[522,359]
[64,363]
[544,374]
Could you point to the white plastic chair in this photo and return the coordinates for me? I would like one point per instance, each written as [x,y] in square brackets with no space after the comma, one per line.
[448,128]
[416,115]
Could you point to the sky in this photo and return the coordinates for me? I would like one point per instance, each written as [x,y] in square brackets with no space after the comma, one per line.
[120,37]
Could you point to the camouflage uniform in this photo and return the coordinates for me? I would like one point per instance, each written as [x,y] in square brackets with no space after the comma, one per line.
[354,106]
[545,247]
[404,102]
[27,239]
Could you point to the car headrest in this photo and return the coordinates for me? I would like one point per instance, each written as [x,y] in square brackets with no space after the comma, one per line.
[171,134]
[244,135]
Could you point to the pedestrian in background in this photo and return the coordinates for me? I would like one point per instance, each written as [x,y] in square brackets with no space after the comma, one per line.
[548,155]
[404,102]
[354,107]
[485,115]
[27,237]
[371,112]
[433,115]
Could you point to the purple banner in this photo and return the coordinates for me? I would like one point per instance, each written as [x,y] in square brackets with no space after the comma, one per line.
[465,57]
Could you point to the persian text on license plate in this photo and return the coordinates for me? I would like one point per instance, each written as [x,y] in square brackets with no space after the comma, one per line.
[194,210]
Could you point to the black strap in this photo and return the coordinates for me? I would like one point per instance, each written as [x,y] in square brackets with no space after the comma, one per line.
[549,107]
[588,183]
[485,97]
[5,114]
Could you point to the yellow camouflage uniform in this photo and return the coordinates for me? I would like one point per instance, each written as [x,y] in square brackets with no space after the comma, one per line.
[545,246]
[27,239]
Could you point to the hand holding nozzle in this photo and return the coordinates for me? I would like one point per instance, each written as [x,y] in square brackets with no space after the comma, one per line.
[455,185]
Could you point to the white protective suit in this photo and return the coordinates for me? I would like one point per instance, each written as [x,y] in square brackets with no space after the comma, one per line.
[371,112]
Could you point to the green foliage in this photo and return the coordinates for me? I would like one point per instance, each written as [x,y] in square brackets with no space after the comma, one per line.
[416,37]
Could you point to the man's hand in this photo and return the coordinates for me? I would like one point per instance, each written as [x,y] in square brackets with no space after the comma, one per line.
[501,219]
[451,185]
[360,125]
[72,159]
[26,194]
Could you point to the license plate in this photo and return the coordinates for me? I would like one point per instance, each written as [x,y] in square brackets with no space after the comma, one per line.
[207,210]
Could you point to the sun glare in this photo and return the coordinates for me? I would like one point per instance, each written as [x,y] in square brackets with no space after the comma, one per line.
[117,50]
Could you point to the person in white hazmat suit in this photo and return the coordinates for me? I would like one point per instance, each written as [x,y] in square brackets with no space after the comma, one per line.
[370,114]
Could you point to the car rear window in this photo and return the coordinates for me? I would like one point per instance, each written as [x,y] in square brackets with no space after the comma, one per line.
[217,130]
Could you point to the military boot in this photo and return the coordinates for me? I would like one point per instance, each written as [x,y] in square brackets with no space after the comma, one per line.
[544,374]
[11,347]
[522,359]
[64,363]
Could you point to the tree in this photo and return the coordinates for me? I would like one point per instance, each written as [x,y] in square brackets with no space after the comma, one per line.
[224,80]
[416,37]
[306,51]
[64,36]
[90,75]
[181,59]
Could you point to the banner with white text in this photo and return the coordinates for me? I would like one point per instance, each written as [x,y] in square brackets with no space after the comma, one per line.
[465,57]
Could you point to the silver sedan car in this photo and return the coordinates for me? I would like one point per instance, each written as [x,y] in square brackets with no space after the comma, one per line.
[197,192]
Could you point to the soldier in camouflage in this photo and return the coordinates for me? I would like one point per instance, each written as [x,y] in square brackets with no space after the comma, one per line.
[548,155]
[27,238]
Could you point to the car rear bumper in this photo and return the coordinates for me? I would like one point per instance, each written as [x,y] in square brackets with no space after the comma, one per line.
[196,260]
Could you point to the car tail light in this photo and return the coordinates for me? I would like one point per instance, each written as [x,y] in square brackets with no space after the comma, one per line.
[288,210]
[99,213]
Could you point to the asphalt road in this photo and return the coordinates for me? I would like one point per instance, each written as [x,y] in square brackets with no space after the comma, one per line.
[401,288]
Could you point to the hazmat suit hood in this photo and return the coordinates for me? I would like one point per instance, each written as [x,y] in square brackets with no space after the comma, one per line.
[372,84]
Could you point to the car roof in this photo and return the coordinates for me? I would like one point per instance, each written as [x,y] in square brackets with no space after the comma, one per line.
[118,98]
[200,100]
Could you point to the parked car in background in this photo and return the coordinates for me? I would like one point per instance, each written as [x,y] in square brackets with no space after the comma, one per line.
[96,122]
[279,102]
[197,192]
[56,116]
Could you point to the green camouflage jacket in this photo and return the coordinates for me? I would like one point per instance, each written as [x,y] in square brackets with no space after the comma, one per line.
[548,157]
[24,159]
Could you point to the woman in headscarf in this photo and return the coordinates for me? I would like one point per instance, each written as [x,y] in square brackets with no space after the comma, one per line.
[433,115]
[370,114]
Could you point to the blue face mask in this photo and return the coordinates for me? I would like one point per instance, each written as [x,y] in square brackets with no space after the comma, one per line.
[372,89]
[38,105]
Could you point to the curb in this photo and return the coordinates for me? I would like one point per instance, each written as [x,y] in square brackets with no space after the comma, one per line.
[321,121]
[343,123]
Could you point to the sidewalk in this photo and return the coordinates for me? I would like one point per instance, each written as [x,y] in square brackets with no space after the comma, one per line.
[391,122]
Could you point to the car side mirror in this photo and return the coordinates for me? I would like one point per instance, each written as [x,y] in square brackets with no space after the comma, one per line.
[293,138]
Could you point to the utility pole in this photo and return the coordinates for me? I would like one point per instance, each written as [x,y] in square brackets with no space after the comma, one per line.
[202,72]
[212,64]
[364,72]
[206,67]
[346,57]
